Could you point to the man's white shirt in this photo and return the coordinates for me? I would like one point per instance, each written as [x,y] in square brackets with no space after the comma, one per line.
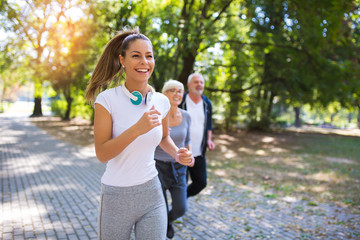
[196,111]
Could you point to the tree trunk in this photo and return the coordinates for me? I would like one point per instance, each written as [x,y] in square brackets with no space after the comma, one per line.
[69,100]
[68,108]
[37,112]
[233,107]
[332,117]
[188,65]
[349,117]
[297,117]
[270,106]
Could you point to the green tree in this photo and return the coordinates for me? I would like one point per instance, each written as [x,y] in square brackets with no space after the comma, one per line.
[294,44]
[32,22]
[72,53]
[13,73]
[199,26]
[347,52]
[13,64]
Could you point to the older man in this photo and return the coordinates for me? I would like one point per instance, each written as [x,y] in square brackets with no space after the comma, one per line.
[200,110]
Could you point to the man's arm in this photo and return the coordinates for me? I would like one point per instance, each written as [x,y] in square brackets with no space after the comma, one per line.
[210,143]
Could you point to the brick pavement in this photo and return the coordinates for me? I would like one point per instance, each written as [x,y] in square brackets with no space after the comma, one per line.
[50,190]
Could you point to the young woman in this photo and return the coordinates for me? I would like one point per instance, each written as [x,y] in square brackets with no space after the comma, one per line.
[172,174]
[130,121]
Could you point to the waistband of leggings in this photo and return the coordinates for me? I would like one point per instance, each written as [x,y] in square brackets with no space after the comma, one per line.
[149,185]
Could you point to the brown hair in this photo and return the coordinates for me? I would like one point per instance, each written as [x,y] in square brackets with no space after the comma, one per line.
[109,64]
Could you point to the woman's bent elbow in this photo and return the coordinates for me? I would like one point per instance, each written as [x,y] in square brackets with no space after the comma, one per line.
[102,158]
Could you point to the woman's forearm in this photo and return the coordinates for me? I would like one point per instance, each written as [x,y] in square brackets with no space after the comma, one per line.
[168,145]
[109,149]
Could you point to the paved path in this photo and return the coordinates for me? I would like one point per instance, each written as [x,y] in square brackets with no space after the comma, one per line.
[50,190]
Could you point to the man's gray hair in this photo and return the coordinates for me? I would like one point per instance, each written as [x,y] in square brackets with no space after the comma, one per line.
[193,75]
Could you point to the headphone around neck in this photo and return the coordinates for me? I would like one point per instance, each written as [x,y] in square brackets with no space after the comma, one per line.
[136,98]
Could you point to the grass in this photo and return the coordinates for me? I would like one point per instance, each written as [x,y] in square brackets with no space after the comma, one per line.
[317,167]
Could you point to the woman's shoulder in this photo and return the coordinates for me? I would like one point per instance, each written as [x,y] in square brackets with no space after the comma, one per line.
[185,114]
[161,102]
[109,92]
[160,96]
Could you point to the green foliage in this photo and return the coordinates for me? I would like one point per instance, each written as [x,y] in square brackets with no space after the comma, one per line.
[74,51]
[295,46]
[13,72]
[259,58]
[58,107]
[79,108]
[259,125]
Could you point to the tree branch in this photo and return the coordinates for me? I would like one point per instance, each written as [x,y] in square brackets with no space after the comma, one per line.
[221,12]
[263,44]
[204,10]
[237,90]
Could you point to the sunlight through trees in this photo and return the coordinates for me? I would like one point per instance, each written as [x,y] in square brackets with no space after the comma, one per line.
[266,62]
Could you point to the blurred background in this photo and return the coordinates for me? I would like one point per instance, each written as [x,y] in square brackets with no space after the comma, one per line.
[267,63]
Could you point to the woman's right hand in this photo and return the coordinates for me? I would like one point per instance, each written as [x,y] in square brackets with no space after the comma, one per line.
[185,157]
[148,121]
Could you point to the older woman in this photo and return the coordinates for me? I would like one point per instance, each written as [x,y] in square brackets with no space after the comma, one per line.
[172,175]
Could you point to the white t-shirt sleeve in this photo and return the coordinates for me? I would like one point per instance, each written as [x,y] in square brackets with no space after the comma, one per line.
[165,105]
[104,101]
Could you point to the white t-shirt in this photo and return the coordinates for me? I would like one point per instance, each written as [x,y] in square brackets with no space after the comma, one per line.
[196,112]
[135,164]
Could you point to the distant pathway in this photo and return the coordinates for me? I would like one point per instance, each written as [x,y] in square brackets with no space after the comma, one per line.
[50,190]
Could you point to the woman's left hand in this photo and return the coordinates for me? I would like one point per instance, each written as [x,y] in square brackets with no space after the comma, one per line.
[185,157]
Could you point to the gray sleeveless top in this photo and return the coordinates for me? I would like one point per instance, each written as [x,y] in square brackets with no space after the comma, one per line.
[179,134]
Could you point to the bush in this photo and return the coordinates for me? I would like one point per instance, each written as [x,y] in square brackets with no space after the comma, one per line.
[58,106]
[79,107]
[262,125]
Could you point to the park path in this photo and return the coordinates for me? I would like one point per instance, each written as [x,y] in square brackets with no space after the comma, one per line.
[50,190]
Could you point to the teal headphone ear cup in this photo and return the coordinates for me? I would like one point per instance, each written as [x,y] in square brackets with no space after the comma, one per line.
[138,96]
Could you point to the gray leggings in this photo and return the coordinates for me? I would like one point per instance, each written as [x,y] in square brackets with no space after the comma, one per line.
[141,206]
